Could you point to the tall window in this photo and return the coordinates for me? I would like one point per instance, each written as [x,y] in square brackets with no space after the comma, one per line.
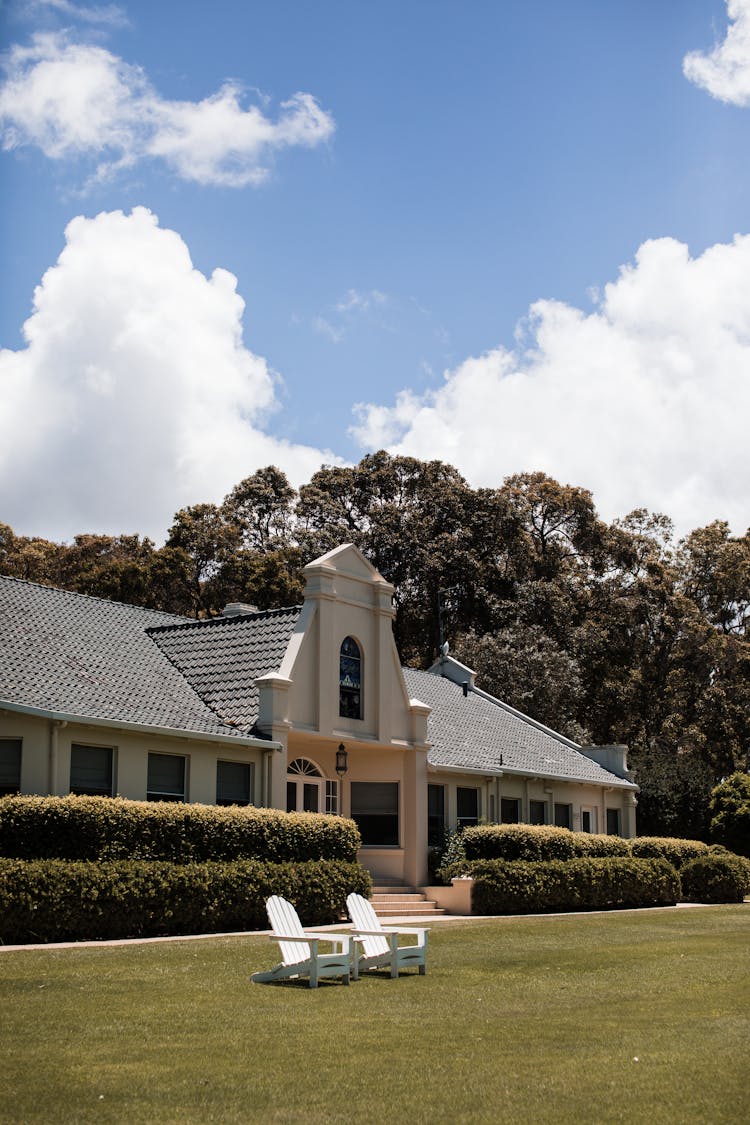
[375,810]
[234,781]
[10,766]
[166,778]
[435,815]
[564,816]
[510,810]
[613,822]
[350,680]
[91,770]
[537,812]
[305,787]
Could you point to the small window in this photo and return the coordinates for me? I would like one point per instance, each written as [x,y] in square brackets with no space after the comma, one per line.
[332,797]
[467,806]
[91,770]
[350,680]
[375,810]
[613,822]
[510,810]
[166,778]
[435,815]
[563,816]
[537,812]
[234,783]
[10,766]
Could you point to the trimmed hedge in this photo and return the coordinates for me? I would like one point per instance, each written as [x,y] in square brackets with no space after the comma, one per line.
[537,842]
[106,828]
[675,850]
[59,900]
[520,887]
[715,877]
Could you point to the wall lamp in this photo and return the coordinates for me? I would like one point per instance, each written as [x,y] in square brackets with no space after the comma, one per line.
[342,760]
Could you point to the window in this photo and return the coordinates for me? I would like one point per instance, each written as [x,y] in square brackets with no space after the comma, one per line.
[588,820]
[537,812]
[563,816]
[166,778]
[91,770]
[350,680]
[303,786]
[10,766]
[510,810]
[613,822]
[467,806]
[375,810]
[435,815]
[234,783]
[332,797]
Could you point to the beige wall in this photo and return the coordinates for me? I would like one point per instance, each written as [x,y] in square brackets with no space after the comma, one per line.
[45,757]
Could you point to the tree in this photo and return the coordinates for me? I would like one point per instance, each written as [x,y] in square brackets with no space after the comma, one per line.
[730,813]
[205,537]
[260,508]
[675,791]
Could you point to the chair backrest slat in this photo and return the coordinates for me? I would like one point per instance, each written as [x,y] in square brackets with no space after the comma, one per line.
[364,917]
[285,920]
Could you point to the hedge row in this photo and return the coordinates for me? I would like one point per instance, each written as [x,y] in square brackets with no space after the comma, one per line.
[715,877]
[59,900]
[593,883]
[538,842]
[106,828]
[670,848]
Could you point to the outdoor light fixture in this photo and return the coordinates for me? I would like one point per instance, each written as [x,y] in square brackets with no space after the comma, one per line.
[342,760]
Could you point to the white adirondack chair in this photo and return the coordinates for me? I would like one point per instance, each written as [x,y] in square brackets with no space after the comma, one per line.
[299,948]
[380,947]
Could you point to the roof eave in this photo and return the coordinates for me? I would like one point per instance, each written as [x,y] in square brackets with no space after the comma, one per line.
[612,782]
[140,728]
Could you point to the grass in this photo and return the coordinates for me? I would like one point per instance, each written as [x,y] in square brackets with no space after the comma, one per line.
[633,1017]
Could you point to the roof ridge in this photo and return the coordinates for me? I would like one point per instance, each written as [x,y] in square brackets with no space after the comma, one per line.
[179,618]
[205,622]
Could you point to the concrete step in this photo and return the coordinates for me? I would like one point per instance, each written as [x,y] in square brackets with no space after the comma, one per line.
[399,901]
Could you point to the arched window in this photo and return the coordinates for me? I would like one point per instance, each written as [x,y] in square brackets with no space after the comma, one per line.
[350,680]
[308,791]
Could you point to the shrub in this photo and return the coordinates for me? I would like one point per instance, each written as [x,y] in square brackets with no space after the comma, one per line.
[519,841]
[675,850]
[730,813]
[89,828]
[58,900]
[715,878]
[520,887]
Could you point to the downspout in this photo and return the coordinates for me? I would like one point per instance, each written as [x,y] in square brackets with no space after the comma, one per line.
[55,727]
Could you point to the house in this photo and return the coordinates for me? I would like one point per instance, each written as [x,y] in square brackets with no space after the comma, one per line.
[306,708]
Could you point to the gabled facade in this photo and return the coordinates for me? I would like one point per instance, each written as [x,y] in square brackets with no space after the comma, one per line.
[262,707]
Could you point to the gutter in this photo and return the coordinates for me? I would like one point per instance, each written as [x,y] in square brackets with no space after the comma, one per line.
[612,782]
[141,728]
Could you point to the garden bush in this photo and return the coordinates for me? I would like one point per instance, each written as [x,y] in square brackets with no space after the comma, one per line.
[675,850]
[715,877]
[595,883]
[518,841]
[730,813]
[106,828]
[59,900]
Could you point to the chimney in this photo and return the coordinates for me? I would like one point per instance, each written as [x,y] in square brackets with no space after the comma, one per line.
[238,609]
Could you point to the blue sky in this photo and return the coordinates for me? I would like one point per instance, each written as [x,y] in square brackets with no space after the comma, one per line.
[510,235]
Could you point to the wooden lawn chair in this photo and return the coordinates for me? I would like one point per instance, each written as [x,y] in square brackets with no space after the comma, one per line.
[379,944]
[299,948]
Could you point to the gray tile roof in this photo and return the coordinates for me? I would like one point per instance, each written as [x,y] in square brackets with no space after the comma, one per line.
[223,658]
[71,654]
[476,731]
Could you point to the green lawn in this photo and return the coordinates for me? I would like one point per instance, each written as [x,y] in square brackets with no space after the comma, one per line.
[633,1017]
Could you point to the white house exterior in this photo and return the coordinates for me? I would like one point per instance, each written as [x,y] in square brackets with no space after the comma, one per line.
[254,707]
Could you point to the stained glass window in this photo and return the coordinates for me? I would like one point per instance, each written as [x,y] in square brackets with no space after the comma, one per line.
[350,680]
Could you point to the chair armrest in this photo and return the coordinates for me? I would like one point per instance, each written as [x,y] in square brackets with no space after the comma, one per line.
[402,930]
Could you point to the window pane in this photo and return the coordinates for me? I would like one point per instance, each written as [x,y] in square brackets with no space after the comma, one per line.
[435,815]
[375,810]
[91,770]
[613,822]
[563,817]
[291,796]
[537,810]
[10,766]
[509,810]
[332,797]
[467,806]
[350,680]
[310,797]
[166,778]
[233,783]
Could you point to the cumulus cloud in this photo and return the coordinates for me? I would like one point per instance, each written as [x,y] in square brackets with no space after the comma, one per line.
[644,400]
[135,393]
[79,100]
[725,71]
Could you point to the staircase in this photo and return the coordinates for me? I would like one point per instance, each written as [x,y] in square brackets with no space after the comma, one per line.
[402,902]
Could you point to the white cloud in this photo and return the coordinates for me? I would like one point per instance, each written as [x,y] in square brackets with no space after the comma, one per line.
[725,71]
[645,400]
[108,15]
[135,394]
[74,99]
